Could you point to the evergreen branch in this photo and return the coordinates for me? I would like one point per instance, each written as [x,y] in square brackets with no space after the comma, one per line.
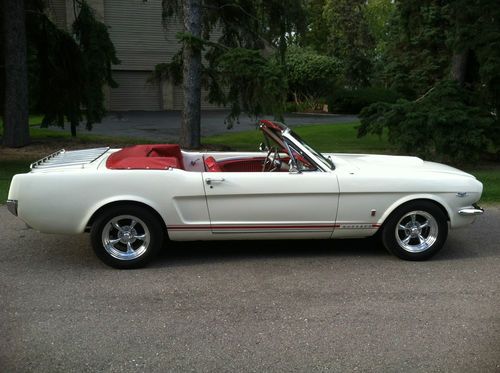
[425,94]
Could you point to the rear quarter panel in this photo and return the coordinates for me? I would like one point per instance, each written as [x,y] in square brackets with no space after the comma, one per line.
[63,202]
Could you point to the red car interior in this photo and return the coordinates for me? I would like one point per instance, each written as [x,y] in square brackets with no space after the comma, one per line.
[237,165]
[242,165]
[155,157]
[164,156]
[211,164]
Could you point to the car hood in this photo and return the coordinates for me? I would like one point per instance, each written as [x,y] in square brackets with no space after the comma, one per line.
[370,162]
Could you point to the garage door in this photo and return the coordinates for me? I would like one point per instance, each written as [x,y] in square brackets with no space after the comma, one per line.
[134,92]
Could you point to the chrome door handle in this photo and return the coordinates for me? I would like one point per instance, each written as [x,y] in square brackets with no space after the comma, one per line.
[210,180]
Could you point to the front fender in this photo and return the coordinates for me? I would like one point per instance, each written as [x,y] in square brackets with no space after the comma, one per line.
[450,202]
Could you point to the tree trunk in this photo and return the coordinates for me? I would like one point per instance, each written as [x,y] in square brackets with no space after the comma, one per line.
[73,129]
[459,64]
[191,114]
[16,111]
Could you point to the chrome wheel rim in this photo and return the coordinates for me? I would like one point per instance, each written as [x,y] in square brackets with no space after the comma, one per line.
[416,231]
[125,237]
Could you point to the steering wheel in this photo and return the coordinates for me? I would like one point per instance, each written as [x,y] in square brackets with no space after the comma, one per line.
[272,162]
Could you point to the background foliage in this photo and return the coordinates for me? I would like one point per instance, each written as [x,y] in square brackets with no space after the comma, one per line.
[443,56]
[444,125]
[310,74]
[344,100]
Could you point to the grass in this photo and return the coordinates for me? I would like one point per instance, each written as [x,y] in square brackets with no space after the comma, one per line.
[9,168]
[339,138]
[490,177]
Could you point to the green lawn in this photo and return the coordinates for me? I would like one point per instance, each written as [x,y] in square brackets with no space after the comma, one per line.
[490,177]
[328,138]
[340,138]
[33,120]
[9,168]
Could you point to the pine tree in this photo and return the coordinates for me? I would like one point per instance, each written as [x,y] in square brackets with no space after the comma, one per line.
[67,69]
[243,64]
[15,82]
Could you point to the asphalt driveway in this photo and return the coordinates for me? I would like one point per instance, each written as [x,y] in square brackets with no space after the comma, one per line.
[164,125]
[238,306]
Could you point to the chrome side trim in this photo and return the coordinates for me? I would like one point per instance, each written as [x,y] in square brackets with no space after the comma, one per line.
[473,210]
[12,206]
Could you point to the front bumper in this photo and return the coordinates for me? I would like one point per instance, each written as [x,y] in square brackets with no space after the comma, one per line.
[470,211]
[12,206]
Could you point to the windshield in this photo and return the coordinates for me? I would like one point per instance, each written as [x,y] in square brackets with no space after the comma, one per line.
[326,161]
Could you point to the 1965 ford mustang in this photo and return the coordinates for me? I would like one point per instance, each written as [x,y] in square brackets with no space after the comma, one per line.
[132,199]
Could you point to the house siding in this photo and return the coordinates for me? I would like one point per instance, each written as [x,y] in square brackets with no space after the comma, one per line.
[136,29]
[141,42]
[134,92]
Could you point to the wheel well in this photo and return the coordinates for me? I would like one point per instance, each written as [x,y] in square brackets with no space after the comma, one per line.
[435,203]
[124,203]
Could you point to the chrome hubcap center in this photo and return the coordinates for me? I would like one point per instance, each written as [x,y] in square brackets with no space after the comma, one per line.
[127,235]
[413,229]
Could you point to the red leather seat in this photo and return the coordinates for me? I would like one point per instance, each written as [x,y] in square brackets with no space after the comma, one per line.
[211,164]
[166,150]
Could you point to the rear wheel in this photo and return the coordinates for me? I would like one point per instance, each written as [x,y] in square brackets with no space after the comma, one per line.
[415,231]
[126,236]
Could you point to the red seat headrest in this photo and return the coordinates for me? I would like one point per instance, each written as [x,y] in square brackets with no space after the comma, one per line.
[211,164]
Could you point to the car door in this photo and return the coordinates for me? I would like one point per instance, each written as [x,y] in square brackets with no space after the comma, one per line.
[272,204]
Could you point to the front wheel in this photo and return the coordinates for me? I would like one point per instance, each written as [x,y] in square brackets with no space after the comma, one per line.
[126,236]
[415,231]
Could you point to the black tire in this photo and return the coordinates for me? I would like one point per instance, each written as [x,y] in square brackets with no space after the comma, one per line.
[136,243]
[415,231]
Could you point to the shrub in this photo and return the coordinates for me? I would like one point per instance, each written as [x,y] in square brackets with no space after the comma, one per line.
[310,75]
[351,101]
[445,125]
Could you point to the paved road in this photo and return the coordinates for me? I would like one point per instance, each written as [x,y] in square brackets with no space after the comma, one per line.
[322,306]
[164,125]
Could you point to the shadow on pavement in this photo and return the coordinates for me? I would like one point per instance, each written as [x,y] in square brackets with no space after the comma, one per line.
[70,251]
[192,253]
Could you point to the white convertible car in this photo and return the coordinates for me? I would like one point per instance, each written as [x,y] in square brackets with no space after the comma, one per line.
[132,199]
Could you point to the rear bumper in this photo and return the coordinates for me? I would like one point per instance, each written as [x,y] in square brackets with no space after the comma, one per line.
[470,211]
[12,206]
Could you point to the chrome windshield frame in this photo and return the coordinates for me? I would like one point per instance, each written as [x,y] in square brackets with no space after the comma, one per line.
[280,133]
[288,137]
